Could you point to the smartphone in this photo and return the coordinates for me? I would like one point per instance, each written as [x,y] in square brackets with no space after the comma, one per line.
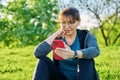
[57,44]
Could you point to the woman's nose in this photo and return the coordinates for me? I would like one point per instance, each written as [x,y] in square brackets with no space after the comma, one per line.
[66,25]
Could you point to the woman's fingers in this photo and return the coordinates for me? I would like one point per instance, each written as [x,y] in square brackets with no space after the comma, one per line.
[62,53]
[60,33]
[65,53]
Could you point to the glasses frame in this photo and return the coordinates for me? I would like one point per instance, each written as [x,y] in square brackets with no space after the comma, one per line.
[68,23]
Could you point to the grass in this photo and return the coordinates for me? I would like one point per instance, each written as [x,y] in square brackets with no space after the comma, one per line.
[19,63]
[108,63]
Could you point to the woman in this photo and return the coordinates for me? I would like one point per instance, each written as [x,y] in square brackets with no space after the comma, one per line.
[81,48]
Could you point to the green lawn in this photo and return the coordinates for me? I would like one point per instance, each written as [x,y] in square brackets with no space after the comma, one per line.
[108,63]
[19,63]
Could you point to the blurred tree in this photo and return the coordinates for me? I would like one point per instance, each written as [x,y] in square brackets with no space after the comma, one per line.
[27,22]
[105,13]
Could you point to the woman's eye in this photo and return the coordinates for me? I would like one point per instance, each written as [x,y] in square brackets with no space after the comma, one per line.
[71,22]
[63,22]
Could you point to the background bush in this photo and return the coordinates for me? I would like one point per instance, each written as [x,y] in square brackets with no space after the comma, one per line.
[27,22]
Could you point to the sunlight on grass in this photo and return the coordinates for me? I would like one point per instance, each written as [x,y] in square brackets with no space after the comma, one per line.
[19,63]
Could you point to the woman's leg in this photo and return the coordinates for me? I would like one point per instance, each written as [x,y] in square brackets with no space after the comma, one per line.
[41,70]
[46,70]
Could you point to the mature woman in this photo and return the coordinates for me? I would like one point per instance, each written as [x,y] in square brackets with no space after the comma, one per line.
[81,48]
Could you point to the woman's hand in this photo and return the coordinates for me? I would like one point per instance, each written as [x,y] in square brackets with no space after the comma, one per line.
[57,34]
[60,33]
[65,53]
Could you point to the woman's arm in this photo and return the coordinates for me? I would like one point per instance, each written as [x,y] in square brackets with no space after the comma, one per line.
[42,49]
[45,47]
[91,50]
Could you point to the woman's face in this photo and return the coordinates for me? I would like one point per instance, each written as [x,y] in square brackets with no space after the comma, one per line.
[69,26]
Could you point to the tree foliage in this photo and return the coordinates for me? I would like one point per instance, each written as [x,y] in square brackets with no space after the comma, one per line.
[27,22]
[107,14]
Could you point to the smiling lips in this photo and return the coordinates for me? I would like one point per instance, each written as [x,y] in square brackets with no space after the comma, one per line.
[67,31]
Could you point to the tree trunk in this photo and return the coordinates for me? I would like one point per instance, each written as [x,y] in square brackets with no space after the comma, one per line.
[117,37]
[103,34]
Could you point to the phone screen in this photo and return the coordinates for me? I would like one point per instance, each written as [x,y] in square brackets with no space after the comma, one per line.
[57,44]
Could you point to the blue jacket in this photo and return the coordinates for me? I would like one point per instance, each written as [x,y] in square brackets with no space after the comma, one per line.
[90,50]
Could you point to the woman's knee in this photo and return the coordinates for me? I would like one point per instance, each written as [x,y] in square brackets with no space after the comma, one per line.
[43,63]
[42,69]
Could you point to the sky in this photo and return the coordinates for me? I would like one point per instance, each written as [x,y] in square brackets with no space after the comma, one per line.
[87,18]
[4,2]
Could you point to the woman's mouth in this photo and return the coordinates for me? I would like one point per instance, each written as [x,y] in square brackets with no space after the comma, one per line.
[67,31]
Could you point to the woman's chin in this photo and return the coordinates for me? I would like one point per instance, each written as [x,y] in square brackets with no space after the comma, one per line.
[68,34]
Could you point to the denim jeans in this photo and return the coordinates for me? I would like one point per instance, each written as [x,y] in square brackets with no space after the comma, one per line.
[47,70]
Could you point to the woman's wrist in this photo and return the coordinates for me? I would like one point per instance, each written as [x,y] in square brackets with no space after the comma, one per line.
[79,52]
[75,55]
[50,39]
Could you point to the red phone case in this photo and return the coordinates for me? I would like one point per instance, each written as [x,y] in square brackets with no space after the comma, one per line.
[57,44]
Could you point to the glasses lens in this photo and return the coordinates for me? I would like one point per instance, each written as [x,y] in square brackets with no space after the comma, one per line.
[70,23]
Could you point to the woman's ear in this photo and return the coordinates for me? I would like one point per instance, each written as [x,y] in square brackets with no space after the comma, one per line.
[79,21]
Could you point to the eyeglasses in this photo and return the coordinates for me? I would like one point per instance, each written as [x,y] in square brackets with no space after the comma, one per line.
[70,23]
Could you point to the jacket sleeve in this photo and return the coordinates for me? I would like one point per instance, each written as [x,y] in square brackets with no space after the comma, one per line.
[92,49]
[42,49]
